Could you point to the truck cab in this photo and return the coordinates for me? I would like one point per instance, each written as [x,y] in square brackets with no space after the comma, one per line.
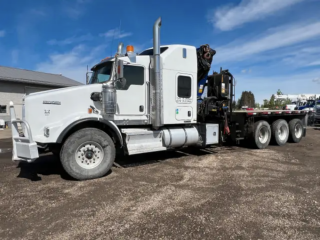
[317,111]
[178,65]
[308,106]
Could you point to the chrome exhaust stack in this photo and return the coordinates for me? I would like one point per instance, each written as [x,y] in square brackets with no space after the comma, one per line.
[157,106]
[120,48]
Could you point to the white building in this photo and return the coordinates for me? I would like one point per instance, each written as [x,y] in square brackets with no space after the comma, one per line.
[15,83]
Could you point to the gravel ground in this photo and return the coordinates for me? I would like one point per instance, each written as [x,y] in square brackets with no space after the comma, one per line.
[222,193]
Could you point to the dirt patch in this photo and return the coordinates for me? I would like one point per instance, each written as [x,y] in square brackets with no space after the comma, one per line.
[221,193]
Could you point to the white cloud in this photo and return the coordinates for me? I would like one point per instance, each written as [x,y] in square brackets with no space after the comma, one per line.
[71,40]
[37,12]
[315,63]
[15,56]
[272,39]
[229,17]
[246,71]
[72,64]
[316,80]
[139,47]
[2,33]
[308,56]
[75,9]
[73,13]
[115,33]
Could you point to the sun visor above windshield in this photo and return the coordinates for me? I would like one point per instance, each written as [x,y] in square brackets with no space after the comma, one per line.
[103,61]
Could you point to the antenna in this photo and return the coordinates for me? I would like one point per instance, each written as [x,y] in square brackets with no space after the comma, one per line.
[119,30]
[113,37]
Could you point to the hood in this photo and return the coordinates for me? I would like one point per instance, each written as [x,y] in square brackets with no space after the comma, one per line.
[56,90]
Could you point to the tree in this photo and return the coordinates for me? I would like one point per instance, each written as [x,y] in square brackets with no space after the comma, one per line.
[287,101]
[257,105]
[238,105]
[234,105]
[271,102]
[265,103]
[247,99]
[279,103]
[279,92]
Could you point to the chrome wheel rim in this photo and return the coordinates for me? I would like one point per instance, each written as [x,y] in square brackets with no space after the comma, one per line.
[298,130]
[282,133]
[263,135]
[89,155]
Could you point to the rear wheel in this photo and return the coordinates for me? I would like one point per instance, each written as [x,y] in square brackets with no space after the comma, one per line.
[261,134]
[280,131]
[87,154]
[296,130]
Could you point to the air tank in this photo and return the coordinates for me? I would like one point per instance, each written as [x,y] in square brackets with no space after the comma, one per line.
[180,136]
[109,99]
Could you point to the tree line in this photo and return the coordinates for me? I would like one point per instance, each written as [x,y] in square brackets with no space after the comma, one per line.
[247,99]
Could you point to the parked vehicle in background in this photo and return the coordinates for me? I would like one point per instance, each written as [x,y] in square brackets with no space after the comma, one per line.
[308,106]
[291,106]
[317,112]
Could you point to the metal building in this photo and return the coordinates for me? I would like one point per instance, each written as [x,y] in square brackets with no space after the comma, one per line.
[15,83]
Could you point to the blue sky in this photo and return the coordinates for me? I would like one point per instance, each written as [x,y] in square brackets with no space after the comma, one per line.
[266,44]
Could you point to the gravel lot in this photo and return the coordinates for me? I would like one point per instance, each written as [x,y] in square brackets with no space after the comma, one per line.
[223,193]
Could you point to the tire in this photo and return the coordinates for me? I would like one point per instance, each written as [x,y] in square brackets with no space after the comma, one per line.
[296,130]
[280,132]
[87,154]
[261,128]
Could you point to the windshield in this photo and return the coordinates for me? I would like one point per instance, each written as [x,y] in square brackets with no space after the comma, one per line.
[102,73]
[310,102]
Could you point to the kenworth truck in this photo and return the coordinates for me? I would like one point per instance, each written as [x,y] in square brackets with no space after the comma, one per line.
[140,103]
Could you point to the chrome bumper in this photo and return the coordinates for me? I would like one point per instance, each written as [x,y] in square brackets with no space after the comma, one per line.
[24,148]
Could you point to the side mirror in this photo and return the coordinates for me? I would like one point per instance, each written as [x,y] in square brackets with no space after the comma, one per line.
[120,69]
[121,83]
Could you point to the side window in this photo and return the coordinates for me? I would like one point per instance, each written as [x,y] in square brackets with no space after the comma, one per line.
[184,87]
[134,75]
[3,109]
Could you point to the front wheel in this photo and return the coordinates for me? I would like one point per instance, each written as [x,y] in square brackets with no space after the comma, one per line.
[87,154]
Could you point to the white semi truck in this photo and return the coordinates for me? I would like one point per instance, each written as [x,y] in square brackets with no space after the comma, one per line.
[140,103]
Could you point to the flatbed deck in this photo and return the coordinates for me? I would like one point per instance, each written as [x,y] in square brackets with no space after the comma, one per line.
[270,112]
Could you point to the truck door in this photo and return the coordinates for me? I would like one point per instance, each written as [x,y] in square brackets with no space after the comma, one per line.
[131,98]
[184,96]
